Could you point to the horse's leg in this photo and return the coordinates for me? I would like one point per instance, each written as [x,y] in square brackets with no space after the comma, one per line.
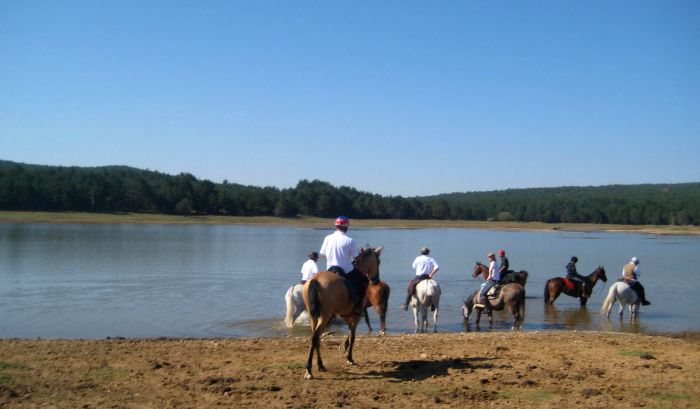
[366,315]
[315,346]
[381,312]
[352,324]
[435,319]
[415,318]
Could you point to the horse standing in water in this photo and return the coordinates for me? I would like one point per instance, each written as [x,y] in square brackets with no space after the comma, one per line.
[558,285]
[625,295]
[511,295]
[378,297]
[427,295]
[326,295]
[519,277]
[296,310]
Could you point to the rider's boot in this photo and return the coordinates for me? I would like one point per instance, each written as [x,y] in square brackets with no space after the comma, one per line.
[404,306]
[480,302]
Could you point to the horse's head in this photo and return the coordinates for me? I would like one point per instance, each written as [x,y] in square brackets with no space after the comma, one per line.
[478,269]
[367,262]
[600,273]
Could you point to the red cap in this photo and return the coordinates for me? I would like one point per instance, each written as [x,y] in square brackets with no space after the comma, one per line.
[502,252]
[342,221]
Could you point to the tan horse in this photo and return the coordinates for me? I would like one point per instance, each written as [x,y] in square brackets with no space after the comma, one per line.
[377,297]
[326,295]
[511,295]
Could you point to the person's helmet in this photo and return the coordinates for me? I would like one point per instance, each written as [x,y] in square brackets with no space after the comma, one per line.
[635,260]
[424,250]
[342,221]
[574,259]
[489,255]
[501,252]
[313,255]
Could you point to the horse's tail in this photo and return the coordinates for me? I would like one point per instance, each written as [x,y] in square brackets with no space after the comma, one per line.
[288,298]
[546,292]
[314,299]
[521,307]
[609,300]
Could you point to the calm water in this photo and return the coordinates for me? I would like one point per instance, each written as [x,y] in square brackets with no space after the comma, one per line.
[94,281]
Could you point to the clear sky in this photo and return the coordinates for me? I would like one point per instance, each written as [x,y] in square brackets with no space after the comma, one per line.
[390,97]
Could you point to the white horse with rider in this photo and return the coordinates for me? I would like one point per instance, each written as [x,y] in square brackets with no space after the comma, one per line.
[626,296]
[427,295]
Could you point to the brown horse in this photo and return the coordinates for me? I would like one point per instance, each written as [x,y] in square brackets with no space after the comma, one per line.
[557,285]
[519,277]
[512,295]
[378,297]
[326,295]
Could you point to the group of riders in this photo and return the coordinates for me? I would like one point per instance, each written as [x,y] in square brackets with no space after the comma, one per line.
[340,250]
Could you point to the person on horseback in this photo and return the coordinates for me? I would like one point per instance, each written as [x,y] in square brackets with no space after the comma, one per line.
[505,264]
[493,279]
[340,251]
[309,268]
[426,267]
[630,275]
[573,275]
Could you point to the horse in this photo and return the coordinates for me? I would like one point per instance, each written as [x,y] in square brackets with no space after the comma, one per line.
[625,295]
[511,295]
[326,295]
[557,285]
[519,277]
[296,310]
[427,294]
[378,297]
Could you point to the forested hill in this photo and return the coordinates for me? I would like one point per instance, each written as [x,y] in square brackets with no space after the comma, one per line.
[126,189]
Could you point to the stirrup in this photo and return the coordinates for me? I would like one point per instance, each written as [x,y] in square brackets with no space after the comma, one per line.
[480,306]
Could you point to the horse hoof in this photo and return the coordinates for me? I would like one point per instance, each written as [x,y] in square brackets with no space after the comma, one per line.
[308,375]
[322,369]
[351,362]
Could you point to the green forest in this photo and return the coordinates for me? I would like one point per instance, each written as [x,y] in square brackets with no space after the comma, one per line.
[126,189]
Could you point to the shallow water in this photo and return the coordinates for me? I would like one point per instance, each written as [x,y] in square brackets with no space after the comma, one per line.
[99,280]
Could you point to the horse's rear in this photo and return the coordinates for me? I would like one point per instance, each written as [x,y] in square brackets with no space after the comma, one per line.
[427,295]
[378,297]
[514,297]
[295,304]
[625,295]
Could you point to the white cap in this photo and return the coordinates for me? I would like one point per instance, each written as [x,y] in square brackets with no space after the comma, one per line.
[634,260]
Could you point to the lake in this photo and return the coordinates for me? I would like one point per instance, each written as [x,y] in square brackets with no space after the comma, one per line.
[121,280]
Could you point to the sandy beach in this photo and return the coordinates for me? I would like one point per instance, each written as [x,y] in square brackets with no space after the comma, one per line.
[525,369]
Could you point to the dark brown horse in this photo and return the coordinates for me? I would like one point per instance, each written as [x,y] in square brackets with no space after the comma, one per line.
[326,295]
[378,297]
[557,285]
[511,295]
[519,277]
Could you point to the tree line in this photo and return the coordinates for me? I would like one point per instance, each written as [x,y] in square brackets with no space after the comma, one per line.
[126,189]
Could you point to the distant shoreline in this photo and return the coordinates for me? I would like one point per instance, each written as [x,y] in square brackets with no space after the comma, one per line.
[316,222]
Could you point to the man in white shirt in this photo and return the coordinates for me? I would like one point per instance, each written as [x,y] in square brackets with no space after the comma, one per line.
[340,251]
[493,279]
[309,268]
[426,267]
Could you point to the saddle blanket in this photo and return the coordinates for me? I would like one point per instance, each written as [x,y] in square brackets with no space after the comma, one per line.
[569,284]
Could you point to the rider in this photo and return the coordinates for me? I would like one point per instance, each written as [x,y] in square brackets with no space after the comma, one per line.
[340,251]
[630,275]
[504,264]
[309,268]
[573,275]
[426,267]
[493,278]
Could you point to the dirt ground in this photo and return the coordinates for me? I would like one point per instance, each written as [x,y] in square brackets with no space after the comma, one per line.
[526,369]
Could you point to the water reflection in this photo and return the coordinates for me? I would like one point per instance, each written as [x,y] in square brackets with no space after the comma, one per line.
[570,318]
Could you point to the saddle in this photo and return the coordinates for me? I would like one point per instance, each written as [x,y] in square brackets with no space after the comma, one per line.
[494,292]
[352,287]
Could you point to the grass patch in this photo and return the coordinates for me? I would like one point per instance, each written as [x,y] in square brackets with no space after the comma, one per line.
[671,396]
[639,353]
[6,366]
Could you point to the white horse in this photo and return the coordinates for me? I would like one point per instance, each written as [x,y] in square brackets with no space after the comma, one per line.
[296,310]
[625,295]
[427,295]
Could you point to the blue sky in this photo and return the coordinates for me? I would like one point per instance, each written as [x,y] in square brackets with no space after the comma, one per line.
[394,97]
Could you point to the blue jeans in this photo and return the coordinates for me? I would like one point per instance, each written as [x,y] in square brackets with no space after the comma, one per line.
[485,287]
